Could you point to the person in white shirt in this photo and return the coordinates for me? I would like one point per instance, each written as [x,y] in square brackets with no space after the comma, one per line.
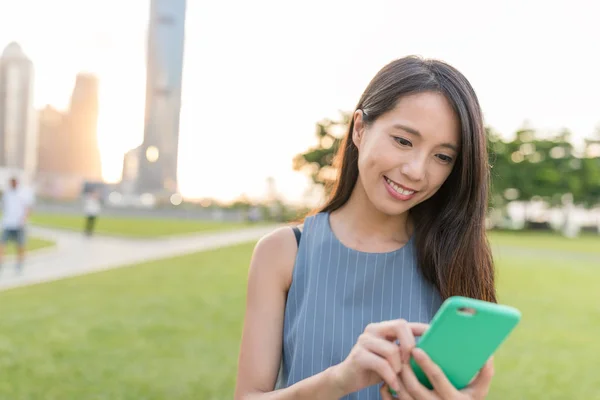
[16,207]
[91,209]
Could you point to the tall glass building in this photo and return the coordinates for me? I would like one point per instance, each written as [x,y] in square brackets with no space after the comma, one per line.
[18,134]
[157,166]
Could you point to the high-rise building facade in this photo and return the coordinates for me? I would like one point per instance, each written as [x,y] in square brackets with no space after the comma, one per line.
[68,141]
[68,152]
[52,139]
[158,154]
[82,129]
[18,132]
[131,168]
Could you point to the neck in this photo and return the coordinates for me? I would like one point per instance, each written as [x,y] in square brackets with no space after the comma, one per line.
[360,219]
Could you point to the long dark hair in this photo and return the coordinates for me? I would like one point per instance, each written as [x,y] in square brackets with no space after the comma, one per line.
[450,236]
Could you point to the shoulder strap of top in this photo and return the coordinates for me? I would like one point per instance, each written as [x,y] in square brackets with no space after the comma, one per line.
[298,234]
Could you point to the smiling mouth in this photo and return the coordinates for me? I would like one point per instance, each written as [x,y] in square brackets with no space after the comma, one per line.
[402,190]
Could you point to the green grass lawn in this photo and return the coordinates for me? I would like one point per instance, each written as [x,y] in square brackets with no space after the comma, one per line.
[33,243]
[165,330]
[170,330]
[586,243]
[134,227]
[553,353]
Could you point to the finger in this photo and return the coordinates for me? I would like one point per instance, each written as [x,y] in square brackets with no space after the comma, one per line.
[381,367]
[481,383]
[401,393]
[406,339]
[388,329]
[418,328]
[399,329]
[414,388]
[434,373]
[385,393]
[382,348]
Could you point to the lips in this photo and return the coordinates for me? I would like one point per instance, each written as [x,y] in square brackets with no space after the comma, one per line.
[400,188]
[398,191]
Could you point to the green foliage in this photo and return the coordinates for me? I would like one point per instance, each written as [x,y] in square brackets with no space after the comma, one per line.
[318,160]
[546,168]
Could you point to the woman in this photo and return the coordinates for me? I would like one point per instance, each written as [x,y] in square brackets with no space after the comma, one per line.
[403,230]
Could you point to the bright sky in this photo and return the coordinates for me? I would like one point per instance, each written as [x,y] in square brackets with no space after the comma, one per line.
[259,74]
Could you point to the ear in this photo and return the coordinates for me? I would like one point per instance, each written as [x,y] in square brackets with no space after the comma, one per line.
[359,128]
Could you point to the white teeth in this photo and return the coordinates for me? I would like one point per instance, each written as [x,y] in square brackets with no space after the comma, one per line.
[399,189]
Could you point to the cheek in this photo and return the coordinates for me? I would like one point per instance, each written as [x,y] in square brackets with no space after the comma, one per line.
[367,170]
[369,164]
[369,159]
[439,175]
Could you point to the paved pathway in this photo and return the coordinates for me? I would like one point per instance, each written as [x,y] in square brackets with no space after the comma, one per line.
[75,254]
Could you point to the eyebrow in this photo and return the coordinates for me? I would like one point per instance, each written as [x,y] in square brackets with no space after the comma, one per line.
[417,133]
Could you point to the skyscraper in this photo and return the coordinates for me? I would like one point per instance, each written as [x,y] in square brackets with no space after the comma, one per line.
[158,155]
[52,141]
[68,152]
[18,133]
[82,125]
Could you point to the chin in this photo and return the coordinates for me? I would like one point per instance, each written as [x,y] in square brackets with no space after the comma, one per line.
[393,210]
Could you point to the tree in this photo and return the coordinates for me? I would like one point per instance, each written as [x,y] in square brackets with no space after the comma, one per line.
[531,167]
[502,185]
[318,160]
[590,169]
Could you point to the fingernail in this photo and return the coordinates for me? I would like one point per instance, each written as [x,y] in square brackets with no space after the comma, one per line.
[402,356]
[406,358]
[393,392]
[418,352]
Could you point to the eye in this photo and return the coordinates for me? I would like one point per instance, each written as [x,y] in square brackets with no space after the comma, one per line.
[403,142]
[444,158]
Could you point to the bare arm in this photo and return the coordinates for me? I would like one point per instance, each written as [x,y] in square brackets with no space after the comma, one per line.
[269,279]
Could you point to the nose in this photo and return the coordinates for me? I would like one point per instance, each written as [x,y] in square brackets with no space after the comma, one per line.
[414,168]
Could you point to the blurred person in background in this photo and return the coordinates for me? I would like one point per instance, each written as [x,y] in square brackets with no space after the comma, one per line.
[16,208]
[92,206]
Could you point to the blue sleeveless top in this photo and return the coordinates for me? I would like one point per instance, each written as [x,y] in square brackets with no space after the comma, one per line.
[336,292]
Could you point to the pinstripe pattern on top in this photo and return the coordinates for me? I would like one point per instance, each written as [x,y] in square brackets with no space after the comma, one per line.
[336,292]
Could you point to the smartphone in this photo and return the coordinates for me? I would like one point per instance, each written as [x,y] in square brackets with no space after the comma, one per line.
[463,335]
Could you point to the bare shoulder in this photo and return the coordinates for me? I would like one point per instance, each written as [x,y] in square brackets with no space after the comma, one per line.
[275,253]
[280,242]
[269,279]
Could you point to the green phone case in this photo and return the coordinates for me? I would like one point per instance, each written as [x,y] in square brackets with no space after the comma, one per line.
[460,343]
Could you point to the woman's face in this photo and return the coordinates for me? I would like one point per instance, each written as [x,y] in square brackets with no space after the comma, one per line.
[406,155]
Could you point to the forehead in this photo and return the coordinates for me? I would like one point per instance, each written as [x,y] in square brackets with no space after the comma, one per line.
[431,114]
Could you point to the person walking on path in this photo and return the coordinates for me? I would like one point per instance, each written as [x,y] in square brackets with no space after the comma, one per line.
[91,209]
[16,208]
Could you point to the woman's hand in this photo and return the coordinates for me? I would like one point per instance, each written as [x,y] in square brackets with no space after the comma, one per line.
[376,356]
[412,389]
